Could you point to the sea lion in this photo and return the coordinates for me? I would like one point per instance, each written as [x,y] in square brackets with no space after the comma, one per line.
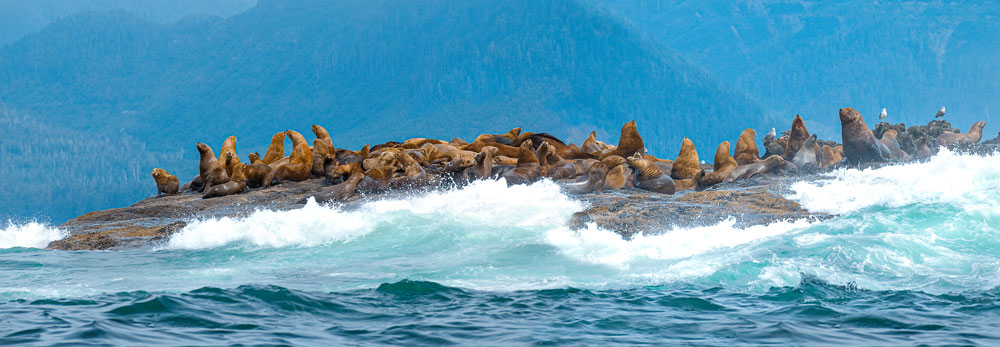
[483,167]
[595,177]
[750,170]
[686,165]
[590,145]
[227,155]
[505,139]
[890,140]
[527,169]
[796,138]
[629,142]
[375,181]
[615,179]
[210,169]
[320,153]
[346,189]
[166,183]
[350,157]
[724,164]
[647,176]
[947,139]
[299,165]
[805,158]
[559,167]
[457,142]
[922,149]
[196,184]
[414,174]
[255,158]
[234,186]
[860,145]
[746,148]
[258,175]
[830,157]
[323,136]
[276,150]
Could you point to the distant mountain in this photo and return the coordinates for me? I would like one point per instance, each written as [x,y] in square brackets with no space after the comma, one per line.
[814,57]
[370,71]
[22,17]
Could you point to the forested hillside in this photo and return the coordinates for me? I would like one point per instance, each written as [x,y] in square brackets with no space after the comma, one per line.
[370,71]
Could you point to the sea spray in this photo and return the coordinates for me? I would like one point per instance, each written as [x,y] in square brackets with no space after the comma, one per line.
[30,235]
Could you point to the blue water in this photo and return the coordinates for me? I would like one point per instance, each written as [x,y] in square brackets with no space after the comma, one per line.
[912,257]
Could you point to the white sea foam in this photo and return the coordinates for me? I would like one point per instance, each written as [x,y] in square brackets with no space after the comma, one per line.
[967,181]
[31,235]
[482,204]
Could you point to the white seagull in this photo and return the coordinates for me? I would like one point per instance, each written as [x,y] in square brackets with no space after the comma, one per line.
[940,113]
[882,115]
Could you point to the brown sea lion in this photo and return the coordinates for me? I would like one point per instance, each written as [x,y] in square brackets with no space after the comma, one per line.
[593,180]
[559,168]
[504,150]
[210,169]
[196,184]
[947,139]
[830,157]
[805,158]
[527,170]
[796,138]
[746,148]
[891,141]
[505,139]
[764,166]
[258,175]
[648,176]
[227,155]
[590,145]
[724,164]
[860,145]
[414,174]
[484,165]
[346,189]
[234,186]
[299,165]
[686,165]
[457,142]
[375,181]
[255,158]
[349,157]
[615,178]
[166,183]
[629,143]
[276,150]
[320,153]
[324,137]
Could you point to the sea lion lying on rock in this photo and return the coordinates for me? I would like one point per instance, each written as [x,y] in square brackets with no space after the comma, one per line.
[648,176]
[527,170]
[345,189]
[764,166]
[889,139]
[258,175]
[166,183]
[947,139]
[860,145]
[594,179]
[235,186]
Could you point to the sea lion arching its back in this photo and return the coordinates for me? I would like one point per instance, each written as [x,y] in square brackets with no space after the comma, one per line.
[746,148]
[860,145]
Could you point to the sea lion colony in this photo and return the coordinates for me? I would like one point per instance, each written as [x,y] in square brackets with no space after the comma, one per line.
[524,157]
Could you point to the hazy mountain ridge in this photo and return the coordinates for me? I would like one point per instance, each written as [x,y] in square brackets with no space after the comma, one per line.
[370,71]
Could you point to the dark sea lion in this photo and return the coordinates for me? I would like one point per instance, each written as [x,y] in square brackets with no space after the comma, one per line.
[723,165]
[796,138]
[234,186]
[764,166]
[805,158]
[559,168]
[299,165]
[196,184]
[593,179]
[746,148]
[345,189]
[527,169]
[860,145]
[648,176]
[276,150]
[615,178]
[227,155]
[629,143]
[947,139]
[686,165]
[210,169]
[350,157]
[483,167]
[891,141]
[258,175]
[166,183]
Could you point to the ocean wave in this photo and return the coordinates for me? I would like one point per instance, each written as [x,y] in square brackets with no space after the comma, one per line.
[969,181]
[29,235]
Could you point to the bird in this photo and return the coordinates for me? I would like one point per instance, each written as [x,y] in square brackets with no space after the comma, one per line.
[940,113]
[770,135]
[883,114]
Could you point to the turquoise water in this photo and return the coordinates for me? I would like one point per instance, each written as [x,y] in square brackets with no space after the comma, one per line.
[912,257]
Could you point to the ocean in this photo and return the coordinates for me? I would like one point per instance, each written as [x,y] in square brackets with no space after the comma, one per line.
[911,256]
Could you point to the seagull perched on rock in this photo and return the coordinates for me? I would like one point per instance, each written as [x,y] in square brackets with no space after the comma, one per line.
[883,114]
[940,113]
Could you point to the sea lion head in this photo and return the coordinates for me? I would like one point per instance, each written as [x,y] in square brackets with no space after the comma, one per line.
[612,161]
[978,126]
[254,157]
[890,134]
[204,150]
[848,115]
[749,132]
[525,155]
[320,131]
[159,174]
[514,134]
